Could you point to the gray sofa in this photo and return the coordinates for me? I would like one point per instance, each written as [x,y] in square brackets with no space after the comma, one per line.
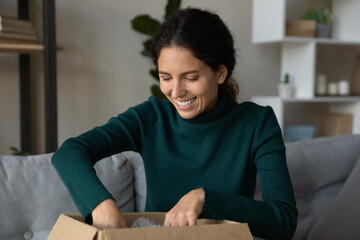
[325,173]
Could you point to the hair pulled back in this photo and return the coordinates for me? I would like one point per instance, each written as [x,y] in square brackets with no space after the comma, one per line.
[206,36]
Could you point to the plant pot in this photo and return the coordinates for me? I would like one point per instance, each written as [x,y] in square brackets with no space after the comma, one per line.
[285,90]
[322,30]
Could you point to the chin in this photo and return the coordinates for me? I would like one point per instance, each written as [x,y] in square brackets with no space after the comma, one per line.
[187,115]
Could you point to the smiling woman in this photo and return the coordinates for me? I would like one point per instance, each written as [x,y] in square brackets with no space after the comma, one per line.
[189,84]
[201,149]
[206,37]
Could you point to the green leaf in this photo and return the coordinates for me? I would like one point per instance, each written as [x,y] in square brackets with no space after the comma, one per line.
[145,53]
[172,7]
[17,152]
[155,74]
[147,48]
[14,149]
[155,90]
[320,14]
[145,24]
[287,78]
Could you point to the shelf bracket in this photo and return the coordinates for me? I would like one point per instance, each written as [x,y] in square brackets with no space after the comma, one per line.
[25,88]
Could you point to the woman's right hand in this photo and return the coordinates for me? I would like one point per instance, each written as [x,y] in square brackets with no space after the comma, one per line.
[107,215]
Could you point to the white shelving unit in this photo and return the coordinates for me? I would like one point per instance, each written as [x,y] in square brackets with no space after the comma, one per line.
[301,58]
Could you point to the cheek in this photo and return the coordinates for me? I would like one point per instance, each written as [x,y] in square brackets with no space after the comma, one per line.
[206,88]
[164,89]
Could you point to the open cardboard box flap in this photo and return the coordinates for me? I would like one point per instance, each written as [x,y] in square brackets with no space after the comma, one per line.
[72,227]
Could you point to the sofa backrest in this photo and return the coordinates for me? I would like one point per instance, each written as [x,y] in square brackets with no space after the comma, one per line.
[33,196]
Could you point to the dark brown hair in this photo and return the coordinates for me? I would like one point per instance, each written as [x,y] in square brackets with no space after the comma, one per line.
[206,36]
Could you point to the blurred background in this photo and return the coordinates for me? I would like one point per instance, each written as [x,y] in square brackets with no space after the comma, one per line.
[101,73]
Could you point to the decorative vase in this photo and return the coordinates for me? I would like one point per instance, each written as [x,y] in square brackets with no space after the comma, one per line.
[321,85]
[344,87]
[333,89]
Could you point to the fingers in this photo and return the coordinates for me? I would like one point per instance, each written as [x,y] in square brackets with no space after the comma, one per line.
[107,215]
[187,210]
[180,219]
[192,221]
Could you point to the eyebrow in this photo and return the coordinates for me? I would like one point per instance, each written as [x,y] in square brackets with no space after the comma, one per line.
[182,74]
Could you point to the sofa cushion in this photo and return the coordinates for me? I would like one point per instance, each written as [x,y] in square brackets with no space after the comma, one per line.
[139,181]
[33,196]
[318,169]
[341,219]
[117,174]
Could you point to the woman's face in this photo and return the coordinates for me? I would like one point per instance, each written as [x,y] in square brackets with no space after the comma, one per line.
[189,84]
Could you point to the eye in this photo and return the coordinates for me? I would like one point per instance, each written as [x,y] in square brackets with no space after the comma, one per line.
[167,78]
[192,78]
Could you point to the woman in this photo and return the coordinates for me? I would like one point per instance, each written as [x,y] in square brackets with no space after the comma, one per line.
[201,149]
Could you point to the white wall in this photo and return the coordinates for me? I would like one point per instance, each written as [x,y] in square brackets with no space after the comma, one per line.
[101,73]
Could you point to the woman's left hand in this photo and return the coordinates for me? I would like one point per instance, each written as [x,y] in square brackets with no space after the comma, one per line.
[187,210]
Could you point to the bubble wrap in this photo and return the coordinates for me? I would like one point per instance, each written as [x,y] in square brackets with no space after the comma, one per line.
[144,222]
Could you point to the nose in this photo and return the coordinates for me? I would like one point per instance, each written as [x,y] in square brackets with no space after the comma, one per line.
[178,89]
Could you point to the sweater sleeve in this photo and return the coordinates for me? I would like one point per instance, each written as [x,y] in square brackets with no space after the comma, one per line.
[275,217]
[75,159]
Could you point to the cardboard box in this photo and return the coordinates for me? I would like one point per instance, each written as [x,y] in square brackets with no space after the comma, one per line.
[72,227]
[301,28]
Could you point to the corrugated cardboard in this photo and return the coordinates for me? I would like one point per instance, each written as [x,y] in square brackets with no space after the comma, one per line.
[71,227]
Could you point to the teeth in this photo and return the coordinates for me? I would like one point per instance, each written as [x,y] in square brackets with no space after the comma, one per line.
[186,103]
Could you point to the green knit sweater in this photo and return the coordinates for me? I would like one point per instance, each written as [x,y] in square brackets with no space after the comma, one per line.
[220,151]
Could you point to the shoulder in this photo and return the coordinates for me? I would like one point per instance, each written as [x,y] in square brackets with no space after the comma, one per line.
[161,108]
[260,119]
[253,106]
[253,110]
[159,104]
[149,110]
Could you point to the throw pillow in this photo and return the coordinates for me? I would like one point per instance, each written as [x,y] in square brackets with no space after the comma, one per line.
[139,181]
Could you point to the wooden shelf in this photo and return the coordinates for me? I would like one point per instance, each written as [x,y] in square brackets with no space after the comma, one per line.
[21,47]
[32,48]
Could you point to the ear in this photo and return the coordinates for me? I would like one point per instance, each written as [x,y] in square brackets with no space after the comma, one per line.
[222,73]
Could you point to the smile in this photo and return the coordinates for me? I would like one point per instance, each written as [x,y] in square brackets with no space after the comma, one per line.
[185,103]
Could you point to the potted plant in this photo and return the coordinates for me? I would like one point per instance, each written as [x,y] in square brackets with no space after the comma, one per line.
[285,88]
[322,16]
[149,26]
